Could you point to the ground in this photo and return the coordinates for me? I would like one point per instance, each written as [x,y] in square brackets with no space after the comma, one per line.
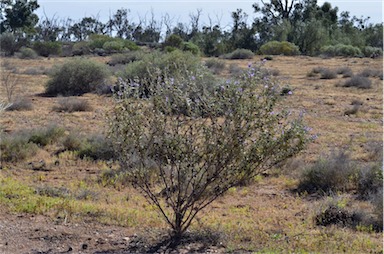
[265,216]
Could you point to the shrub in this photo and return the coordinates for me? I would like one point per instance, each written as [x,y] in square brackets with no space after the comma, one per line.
[239,54]
[8,44]
[369,181]
[334,214]
[370,73]
[16,147]
[174,41]
[279,48]
[113,46]
[72,105]
[130,45]
[217,66]
[80,48]
[373,52]
[47,48]
[97,147]
[125,58]
[328,74]
[27,53]
[20,104]
[98,40]
[341,50]
[76,77]
[183,163]
[235,69]
[191,47]
[45,136]
[352,111]
[359,82]
[377,201]
[345,71]
[330,174]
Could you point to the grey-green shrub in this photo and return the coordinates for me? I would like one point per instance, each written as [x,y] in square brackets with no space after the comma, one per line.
[27,53]
[125,58]
[70,104]
[16,147]
[359,82]
[113,46]
[190,47]
[8,44]
[369,51]
[370,180]
[239,54]
[47,48]
[45,136]
[279,48]
[20,104]
[341,50]
[329,174]
[216,65]
[76,77]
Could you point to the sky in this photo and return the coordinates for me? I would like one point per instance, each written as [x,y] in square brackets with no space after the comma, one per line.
[179,11]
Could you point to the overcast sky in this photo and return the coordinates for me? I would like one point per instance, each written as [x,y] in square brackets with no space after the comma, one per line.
[179,10]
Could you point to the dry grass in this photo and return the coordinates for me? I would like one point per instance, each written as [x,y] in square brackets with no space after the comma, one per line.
[263,217]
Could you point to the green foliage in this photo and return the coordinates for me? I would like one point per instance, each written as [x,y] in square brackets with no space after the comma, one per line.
[16,147]
[190,47]
[47,48]
[97,147]
[174,41]
[8,44]
[113,46]
[125,58]
[18,15]
[27,53]
[369,51]
[183,162]
[341,50]
[279,48]
[239,54]
[153,67]
[330,174]
[76,77]
[45,136]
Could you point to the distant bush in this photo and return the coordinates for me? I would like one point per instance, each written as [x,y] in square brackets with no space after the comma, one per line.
[97,147]
[47,48]
[359,82]
[239,54]
[76,77]
[174,41]
[369,181]
[8,44]
[191,47]
[27,53]
[369,51]
[341,50]
[217,66]
[368,72]
[16,147]
[279,48]
[20,104]
[352,111]
[98,40]
[330,174]
[80,48]
[125,58]
[345,71]
[45,136]
[328,74]
[70,104]
[113,46]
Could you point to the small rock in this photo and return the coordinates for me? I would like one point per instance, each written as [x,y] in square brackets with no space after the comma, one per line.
[84,246]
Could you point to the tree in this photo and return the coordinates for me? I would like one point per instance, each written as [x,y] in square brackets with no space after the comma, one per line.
[18,14]
[184,152]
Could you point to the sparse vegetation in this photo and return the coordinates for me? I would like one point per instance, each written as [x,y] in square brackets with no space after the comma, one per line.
[217,66]
[27,53]
[16,147]
[72,104]
[239,54]
[358,82]
[20,104]
[45,136]
[279,48]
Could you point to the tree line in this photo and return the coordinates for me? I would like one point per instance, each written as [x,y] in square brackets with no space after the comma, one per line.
[305,23]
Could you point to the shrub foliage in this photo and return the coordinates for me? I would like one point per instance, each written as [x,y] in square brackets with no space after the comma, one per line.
[279,48]
[182,163]
[76,77]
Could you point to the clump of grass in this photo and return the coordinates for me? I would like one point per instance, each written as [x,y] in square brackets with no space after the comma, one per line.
[20,104]
[217,66]
[370,73]
[16,147]
[27,53]
[359,82]
[271,72]
[71,104]
[239,54]
[55,192]
[328,74]
[328,174]
[46,136]
[234,69]
[97,147]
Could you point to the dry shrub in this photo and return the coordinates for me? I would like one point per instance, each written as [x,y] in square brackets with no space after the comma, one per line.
[71,104]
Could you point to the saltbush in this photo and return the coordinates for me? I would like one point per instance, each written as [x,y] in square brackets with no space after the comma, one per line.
[96,147]
[76,77]
[27,53]
[190,47]
[174,41]
[359,82]
[71,104]
[369,51]
[47,48]
[341,50]
[45,136]
[279,48]
[113,46]
[16,147]
[369,181]
[239,54]
[20,104]
[125,58]
[216,65]
[329,174]
[80,48]
[8,44]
